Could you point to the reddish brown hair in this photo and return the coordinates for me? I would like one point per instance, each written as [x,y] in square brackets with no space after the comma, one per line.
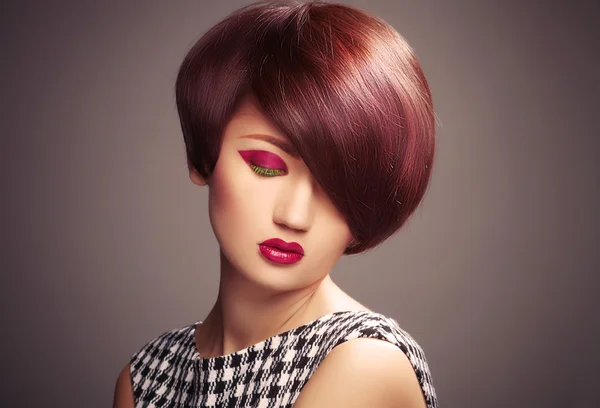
[343,86]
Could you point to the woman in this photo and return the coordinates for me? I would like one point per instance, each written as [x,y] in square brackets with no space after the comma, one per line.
[312,126]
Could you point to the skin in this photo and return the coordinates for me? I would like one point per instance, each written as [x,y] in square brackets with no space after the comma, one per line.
[258,299]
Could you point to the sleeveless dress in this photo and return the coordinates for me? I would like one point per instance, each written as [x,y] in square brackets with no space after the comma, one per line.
[169,372]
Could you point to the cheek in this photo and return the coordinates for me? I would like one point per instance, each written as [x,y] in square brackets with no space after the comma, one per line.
[221,192]
[233,202]
[335,224]
[224,200]
[338,229]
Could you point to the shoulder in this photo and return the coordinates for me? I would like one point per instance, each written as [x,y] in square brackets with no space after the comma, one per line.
[147,368]
[123,397]
[176,341]
[367,354]
[363,372]
[366,324]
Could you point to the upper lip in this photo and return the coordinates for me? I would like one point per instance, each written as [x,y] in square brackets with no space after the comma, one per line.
[284,246]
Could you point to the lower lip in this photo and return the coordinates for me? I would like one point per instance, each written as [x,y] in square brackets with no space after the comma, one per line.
[278,256]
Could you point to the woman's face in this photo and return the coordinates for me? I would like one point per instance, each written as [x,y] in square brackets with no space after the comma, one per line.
[259,191]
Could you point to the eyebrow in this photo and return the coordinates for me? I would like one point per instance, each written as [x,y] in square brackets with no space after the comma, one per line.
[276,141]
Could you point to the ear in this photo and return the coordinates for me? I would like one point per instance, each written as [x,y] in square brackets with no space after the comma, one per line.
[195,176]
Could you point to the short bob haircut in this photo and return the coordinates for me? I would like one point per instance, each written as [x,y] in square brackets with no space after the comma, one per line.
[343,86]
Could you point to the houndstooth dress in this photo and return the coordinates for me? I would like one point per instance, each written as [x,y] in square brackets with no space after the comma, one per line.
[169,372]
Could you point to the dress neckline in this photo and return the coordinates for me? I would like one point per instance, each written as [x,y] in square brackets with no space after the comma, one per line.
[219,360]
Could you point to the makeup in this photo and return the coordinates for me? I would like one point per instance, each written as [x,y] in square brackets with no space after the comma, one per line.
[278,251]
[265,160]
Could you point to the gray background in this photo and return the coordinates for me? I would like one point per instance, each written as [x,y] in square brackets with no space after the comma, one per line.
[106,243]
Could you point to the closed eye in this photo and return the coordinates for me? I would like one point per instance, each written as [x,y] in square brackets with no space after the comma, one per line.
[264,163]
[264,172]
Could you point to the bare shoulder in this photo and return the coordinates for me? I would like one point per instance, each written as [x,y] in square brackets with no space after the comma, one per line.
[123,391]
[363,372]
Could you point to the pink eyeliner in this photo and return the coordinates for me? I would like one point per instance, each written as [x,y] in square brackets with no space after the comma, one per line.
[263,158]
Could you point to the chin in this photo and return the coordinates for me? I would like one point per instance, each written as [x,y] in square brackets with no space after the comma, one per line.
[275,278]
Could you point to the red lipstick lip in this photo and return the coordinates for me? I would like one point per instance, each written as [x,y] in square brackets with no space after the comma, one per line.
[284,246]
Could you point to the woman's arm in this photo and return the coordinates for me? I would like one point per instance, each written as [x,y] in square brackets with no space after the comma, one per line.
[123,391]
[363,372]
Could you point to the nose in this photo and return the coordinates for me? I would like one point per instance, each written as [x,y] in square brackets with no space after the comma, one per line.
[294,207]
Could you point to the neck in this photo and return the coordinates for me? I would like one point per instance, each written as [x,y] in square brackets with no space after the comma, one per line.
[245,314]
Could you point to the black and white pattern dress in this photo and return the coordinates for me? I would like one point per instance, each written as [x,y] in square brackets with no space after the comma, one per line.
[169,372]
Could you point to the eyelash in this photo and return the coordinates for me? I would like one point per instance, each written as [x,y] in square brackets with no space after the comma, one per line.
[264,172]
